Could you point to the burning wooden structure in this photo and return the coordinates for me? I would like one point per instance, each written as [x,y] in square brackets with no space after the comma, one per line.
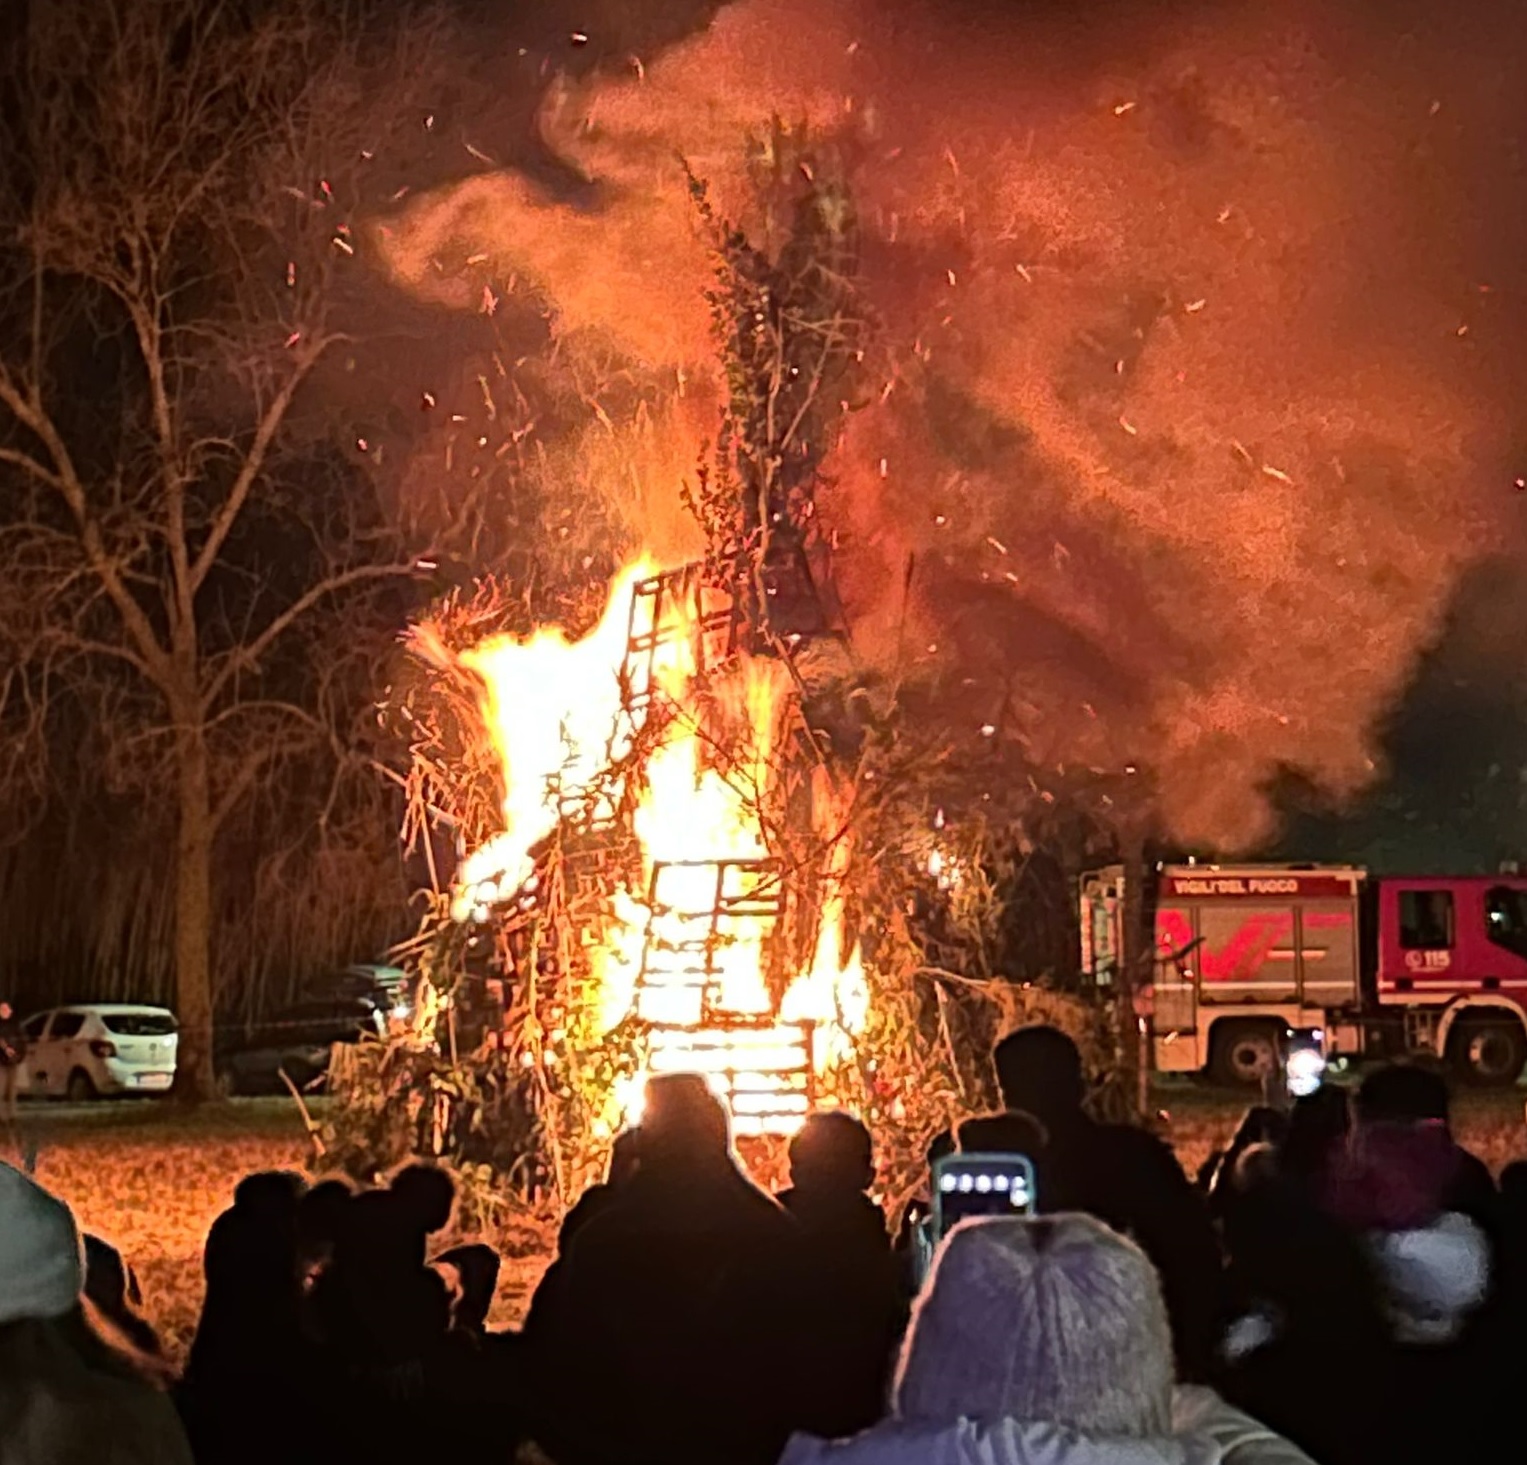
[665,890]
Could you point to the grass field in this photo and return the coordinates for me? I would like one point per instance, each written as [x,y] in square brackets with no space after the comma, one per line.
[152,1179]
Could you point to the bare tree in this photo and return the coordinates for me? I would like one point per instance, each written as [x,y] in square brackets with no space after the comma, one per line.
[177,522]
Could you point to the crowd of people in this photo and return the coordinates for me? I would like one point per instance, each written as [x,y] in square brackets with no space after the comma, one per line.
[1341,1285]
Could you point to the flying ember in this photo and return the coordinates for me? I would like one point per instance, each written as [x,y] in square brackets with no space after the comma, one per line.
[653,720]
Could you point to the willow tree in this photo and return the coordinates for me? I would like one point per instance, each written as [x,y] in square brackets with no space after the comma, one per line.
[177,517]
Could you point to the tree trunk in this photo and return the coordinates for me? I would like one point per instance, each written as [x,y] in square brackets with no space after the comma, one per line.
[194,1077]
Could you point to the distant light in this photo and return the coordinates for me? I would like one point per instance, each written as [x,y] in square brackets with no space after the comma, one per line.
[1304,1067]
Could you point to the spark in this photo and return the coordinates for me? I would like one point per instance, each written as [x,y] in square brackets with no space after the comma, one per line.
[479,154]
[363,445]
[328,193]
[428,401]
[339,242]
[1194,306]
[579,38]
[996,544]
[1129,427]
[292,339]
[1223,216]
[489,301]
[1124,107]
[429,122]
[1028,279]
[1277,473]
[1240,452]
[1462,330]
[638,68]
[987,729]
[426,564]
[950,275]
[291,273]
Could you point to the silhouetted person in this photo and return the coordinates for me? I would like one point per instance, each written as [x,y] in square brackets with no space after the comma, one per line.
[625,1157]
[1427,1212]
[427,1195]
[12,1051]
[832,1166]
[241,1390]
[1304,1346]
[1416,1100]
[320,1218]
[1123,1176]
[849,1277]
[380,1306]
[112,1289]
[1261,1125]
[473,1269]
[1012,1133]
[70,1392]
[1318,1126]
[668,1337]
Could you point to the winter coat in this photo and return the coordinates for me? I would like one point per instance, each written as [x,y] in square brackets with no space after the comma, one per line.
[76,1415]
[667,1334]
[1206,1431]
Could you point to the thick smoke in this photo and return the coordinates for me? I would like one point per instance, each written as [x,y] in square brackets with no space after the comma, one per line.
[1200,393]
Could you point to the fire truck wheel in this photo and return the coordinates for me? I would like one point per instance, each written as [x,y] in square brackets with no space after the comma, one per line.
[1243,1053]
[1488,1052]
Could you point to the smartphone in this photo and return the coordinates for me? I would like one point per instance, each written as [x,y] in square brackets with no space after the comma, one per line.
[980,1185]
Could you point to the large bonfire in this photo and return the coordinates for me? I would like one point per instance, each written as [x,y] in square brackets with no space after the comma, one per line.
[648,713]
[676,825]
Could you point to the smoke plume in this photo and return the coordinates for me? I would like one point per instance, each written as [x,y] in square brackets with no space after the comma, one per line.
[1199,324]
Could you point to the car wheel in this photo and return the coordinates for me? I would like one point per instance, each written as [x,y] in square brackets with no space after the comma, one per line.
[81,1089]
[1490,1054]
[1244,1053]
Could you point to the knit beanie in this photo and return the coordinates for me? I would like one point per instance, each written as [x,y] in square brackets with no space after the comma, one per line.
[41,1272]
[1051,1319]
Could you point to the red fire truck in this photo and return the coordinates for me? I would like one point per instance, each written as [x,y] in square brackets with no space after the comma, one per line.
[1378,967]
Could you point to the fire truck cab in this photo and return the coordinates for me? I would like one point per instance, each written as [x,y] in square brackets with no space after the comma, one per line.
[1242,954]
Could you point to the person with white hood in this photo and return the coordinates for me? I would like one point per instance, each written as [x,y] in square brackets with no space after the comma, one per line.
[1045,1341]
[69,1393]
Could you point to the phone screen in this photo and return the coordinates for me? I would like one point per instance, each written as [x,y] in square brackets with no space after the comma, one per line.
[980,1185]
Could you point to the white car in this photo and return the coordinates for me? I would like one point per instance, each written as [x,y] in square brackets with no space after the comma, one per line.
[84,1051]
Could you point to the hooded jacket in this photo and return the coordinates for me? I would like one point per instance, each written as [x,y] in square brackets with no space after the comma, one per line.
[1205,1431]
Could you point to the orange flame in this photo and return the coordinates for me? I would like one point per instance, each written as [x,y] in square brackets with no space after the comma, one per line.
[687,951]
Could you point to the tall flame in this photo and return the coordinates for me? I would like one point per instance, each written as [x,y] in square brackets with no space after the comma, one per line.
[687,950]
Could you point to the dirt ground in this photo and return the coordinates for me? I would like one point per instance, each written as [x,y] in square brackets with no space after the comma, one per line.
[152,1179]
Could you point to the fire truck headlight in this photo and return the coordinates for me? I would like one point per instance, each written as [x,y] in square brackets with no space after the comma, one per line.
[1304,1068]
